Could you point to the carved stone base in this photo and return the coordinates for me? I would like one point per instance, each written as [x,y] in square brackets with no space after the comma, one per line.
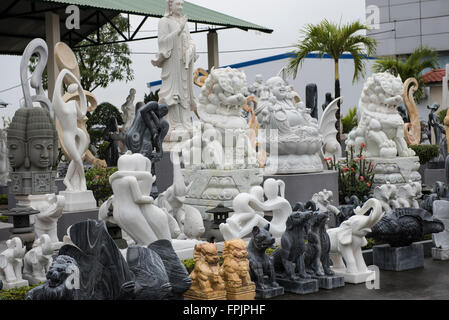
[244,293]
[355,278]
[396,171]
[214,295]
[269,293]
[174,139]
[32,279]
[213,187]
[78,200]
[330,282]
[303,286]
[440,254]
[282,164]
[399,258]
[16,284]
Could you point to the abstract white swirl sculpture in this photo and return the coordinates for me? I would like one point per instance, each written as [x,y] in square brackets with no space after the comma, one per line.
[249,211]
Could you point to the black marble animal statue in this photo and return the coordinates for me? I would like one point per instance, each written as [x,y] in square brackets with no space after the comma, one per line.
[403,226]
[261,266]
[327,101]
[347,209]
[289,258]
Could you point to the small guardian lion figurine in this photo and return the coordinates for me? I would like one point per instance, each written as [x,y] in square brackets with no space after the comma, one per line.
[235,271]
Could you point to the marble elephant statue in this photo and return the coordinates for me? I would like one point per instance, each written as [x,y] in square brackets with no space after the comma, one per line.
[348,239]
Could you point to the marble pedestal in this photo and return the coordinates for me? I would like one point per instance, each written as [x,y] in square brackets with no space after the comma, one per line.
[243,293]
[440,254]
[430,176]
[213,187]
[400,258]
[355,278]
[330,282]
[302,286]
[214,295]
[78,200]
[292,163]
[16,284]
[397,171]
[269,293]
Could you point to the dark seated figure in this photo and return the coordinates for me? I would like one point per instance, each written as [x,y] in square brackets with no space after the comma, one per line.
[148,131]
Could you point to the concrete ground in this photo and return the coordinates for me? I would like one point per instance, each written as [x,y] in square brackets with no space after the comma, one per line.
[428,283]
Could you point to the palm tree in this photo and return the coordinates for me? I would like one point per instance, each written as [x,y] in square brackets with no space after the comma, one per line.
[334,40]
[412,67]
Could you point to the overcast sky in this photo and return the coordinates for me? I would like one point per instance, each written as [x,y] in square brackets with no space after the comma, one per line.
[285,17]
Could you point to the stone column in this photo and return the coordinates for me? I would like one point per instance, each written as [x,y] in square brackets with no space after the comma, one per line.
[53,36]
[212,49]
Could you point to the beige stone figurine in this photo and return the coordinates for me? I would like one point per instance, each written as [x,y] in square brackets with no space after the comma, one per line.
[235,271]
[207,283]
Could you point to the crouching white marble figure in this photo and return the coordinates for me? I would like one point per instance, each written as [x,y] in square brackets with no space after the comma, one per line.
[249,211]
[133,209]
[189,220]
[37,261]
[348,239]
[50,208]
[11,262]
[392,197]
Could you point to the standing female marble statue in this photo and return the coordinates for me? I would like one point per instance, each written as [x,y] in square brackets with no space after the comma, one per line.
[177,54]
[75,139]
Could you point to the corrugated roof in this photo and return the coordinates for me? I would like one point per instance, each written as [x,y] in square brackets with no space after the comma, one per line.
[435,75]
[156,8]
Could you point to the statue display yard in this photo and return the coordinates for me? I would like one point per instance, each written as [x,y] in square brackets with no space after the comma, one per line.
[293,138]
[381,129]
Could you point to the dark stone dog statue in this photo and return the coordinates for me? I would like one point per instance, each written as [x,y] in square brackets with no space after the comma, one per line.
[261,267]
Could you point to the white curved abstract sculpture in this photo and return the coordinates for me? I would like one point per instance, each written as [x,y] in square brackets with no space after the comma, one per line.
[133,209]
[76,142]
[11,262]
[249,208]
[348,239]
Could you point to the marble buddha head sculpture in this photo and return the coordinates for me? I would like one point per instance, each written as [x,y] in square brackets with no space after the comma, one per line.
[16,140]
[42,140]
[32,140]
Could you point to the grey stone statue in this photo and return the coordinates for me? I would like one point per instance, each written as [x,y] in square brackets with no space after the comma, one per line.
[312,99]
[261,266]
[347,209]
[403,226]
[327,101]
[439,132]
[112,135]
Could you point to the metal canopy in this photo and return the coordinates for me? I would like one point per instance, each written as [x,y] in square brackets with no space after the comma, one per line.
[23,20]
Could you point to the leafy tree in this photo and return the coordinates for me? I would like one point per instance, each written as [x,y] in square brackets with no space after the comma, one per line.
[412,67]
[334,40]
[104,64]
[350,120]
[97,123]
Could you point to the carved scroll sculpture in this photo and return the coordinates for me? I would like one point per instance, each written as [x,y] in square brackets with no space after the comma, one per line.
[412,130]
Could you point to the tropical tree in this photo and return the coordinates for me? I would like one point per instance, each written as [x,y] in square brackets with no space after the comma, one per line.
[104,64]
[411,67]
[334,39]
